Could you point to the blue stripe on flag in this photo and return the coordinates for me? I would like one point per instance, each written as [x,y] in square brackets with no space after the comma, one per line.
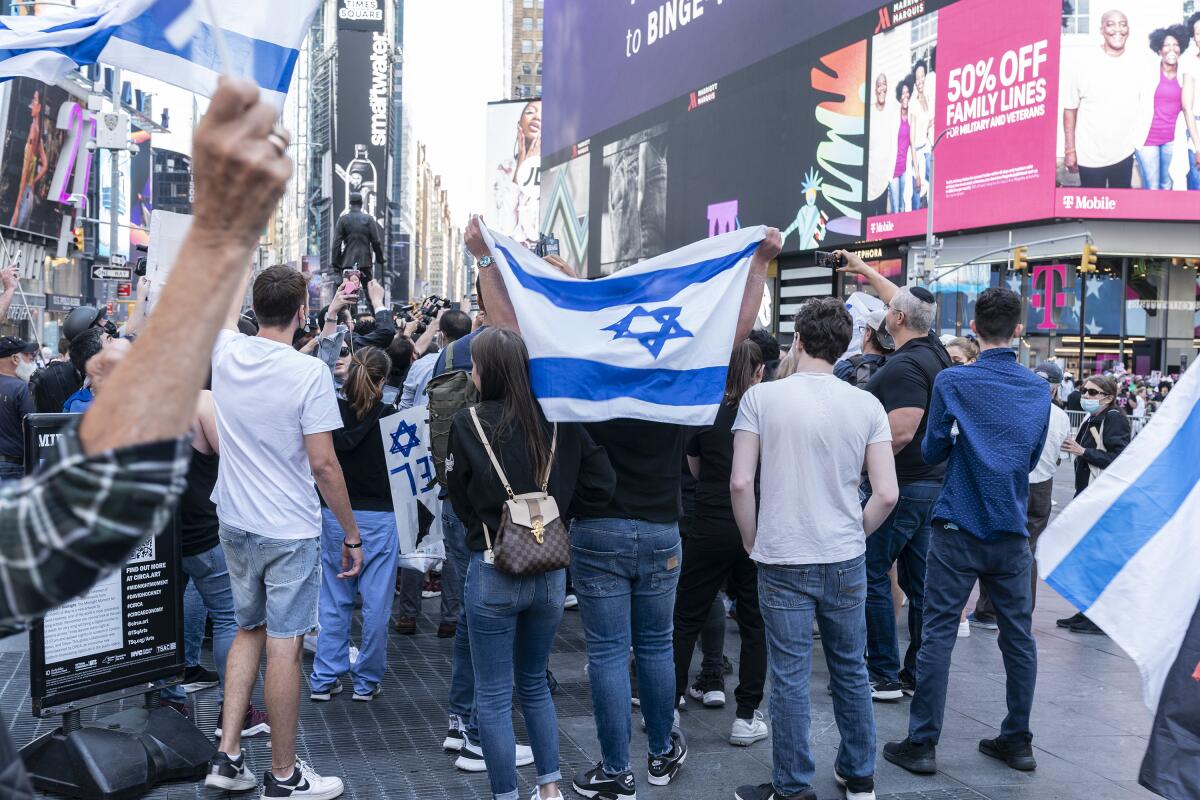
[580,379]
[1133,519]
[271,63]
[653,287]
[86,51]
[164,12]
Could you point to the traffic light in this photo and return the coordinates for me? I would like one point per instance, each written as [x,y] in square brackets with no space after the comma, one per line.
[77,234]
[1087,262]
[1020,259]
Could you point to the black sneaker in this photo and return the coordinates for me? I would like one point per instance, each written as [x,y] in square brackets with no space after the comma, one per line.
[197,678]
[663,769]
[726,665]
[1085,625]
[766,791]
[455,736]
[918,758]
[886,691]
[229,774]
[709,689]
[595,782]
[986,622]
[304,784]
[908,684]
[1067,622]
[1017,754]
[856,788]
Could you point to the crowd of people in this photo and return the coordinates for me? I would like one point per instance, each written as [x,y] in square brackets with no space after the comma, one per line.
[898,489]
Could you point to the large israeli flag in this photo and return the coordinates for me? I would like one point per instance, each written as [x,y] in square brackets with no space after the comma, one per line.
[650,342]
[1127,553]
[263,36]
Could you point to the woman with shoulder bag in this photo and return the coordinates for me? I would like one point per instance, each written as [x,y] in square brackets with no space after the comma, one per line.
[359,448]
[1101,438]
[512,481]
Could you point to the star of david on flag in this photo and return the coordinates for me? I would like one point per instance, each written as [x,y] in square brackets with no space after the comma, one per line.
[649,342]
[408,430]
[653,340]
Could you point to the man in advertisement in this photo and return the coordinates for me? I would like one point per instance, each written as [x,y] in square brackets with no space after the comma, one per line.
[1100,94]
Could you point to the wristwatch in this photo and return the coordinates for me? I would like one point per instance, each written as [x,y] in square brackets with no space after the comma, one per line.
[486,262]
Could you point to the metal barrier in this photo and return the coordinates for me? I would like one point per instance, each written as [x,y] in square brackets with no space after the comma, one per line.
[1135,423]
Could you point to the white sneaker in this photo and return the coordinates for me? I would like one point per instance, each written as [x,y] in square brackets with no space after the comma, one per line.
[964,629]
[537,795]
[746,732]
[864,787]
[470,757]
[232,776]
[455,736]
[366,698]
[570,601]
[304,784]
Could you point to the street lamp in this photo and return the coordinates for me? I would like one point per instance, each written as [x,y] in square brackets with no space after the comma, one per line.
[931,243]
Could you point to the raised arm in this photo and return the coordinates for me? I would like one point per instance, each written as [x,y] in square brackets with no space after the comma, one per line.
[752,296]
[240,176]
[494,299]
[9,276]
[856,266]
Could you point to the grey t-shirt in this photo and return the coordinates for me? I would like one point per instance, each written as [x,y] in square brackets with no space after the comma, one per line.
[813,432]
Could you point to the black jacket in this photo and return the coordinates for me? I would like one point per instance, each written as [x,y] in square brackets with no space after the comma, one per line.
[357,237]
[359,449]
[52,385]
[1117,434]
[581,478]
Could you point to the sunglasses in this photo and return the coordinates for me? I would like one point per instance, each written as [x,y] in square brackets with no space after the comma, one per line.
[345,352]
[1093,393]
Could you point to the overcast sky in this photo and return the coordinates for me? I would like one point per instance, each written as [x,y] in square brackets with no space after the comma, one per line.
[452,69]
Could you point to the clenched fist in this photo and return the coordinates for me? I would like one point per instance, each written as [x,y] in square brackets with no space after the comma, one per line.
[240,166]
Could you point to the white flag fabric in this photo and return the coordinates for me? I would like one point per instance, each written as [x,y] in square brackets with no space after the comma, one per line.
[650,342]
[410,470]
[264,38]
[1125,551]
[48,46]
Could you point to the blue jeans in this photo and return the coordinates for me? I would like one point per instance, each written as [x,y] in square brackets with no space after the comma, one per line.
[956,560]
[462,670]
[209,575]
[276,582]
[902,539]
[1193,176]
[11,472]
[375,583]
[789,597]
[195,615]
[512,623]
[625,573]
[1154,164]
[900,193]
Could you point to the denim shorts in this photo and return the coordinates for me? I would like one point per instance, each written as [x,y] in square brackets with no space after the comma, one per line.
[276,582]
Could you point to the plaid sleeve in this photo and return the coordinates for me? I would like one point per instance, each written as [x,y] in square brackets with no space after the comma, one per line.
[64,529]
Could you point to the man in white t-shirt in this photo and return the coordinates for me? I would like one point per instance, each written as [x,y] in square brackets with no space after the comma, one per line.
[276,410]
[814,433]
[1101,93]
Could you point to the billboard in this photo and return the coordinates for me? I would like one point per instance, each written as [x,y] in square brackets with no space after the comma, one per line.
[829,132]
[514,168]
[28,156]
[364,99]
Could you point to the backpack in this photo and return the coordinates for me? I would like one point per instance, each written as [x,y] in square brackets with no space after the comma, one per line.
[863,369]
[448,394]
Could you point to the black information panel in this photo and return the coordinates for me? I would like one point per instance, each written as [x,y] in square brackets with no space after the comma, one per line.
[126,631]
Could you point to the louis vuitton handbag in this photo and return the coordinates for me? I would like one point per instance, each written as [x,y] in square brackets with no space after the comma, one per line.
[532,538]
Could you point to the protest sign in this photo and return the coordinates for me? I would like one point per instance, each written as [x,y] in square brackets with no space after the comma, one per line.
[410,470]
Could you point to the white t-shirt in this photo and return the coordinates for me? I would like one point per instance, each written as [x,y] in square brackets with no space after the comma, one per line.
[813,431]
[1059,431]
[268,397]
[1107,92]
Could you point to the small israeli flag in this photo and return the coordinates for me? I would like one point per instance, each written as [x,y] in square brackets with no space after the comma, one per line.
[650,342]
[1127,553]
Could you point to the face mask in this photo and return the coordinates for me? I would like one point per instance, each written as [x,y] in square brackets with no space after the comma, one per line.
[1090,405]
[25,370]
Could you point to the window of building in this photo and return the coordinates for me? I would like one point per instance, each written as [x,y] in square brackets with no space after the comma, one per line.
[527,24]
[1076,16]
[540,23]
[527,4]
[538,93]
[526,45]
[539,68]
[539,45]
[526,69]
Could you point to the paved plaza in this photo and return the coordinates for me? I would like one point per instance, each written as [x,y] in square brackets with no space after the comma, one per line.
[1090,725]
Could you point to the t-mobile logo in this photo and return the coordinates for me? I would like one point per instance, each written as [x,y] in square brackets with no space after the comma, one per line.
[1047,298]
[723,217]
[1068,201]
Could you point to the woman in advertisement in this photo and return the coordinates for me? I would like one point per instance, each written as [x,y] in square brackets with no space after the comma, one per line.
[1154,156]
[920,114]
[34,168]
[518,179]
[906,181]
[1189,70]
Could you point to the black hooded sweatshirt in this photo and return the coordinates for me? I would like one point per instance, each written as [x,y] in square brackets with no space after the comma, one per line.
[359,449]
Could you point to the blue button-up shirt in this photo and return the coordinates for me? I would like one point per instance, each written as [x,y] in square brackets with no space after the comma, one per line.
[1003,411]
